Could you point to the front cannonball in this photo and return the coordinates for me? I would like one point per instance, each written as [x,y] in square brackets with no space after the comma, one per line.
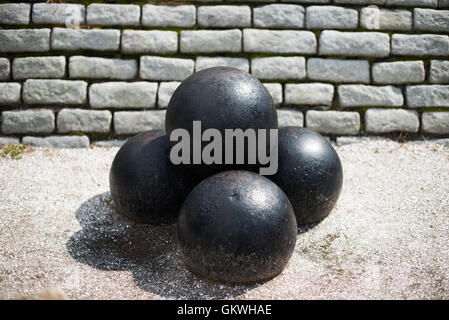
[145,185]
[309,172]
[236,227]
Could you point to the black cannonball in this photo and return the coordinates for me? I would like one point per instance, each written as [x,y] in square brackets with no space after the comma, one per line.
[221,98]
[145,185]
[236,227]
[309,173]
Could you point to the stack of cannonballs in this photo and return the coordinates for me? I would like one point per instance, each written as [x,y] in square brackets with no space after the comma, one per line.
[234,225]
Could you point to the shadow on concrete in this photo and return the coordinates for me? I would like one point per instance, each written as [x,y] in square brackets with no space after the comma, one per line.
[307,227]
[108,241]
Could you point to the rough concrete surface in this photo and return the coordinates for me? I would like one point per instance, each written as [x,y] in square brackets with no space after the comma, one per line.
[386,238]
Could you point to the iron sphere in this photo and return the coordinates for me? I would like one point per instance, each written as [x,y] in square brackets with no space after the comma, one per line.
[236,227]
[145,185]
[221,98]
[309,173]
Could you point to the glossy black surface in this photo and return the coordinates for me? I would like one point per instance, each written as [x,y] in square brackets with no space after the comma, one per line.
[145,185]
[221,98]
[236,226]
[309,173]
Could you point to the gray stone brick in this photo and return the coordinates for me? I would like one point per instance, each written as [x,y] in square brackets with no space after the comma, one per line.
[309,94]
[279,68]
[439,71]
[8,140]
[244,0]
[209,41]
[368,44]
[54,92]
[168,16]
[307,1]
[395,20]
[224,16]
[14,13]
[5,69]
[72,120]
[149,41]
[341,141]
[209,62]
[113,14]
[412,3]
[9,93]
[427,96]
[166,90]
[89,39]
[391,120]
[133,122]
[102,68]
[333,122]
[38,67]
[275,90]
[359,2]
[59,13]
[58,141]
[24,40]
[28,121]
[123,95]
[373,18]
[159,68]
[331,17]
[431,20]
[435,122]
[398,72]
[288,118]
[364,96]
[443,3]
[279,41]
[420,44]
[343,71]
[279,16]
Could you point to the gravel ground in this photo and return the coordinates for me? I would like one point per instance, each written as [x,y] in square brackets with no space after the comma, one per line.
[387,237]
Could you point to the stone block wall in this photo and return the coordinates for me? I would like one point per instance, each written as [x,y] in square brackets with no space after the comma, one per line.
[72,73]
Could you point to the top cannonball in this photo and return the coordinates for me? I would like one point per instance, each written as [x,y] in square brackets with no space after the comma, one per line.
[221,98]
[310,173]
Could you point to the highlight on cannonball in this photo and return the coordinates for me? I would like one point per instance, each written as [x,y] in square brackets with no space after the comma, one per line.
[145,185]
[309,172]
[220,99]
[238,227]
